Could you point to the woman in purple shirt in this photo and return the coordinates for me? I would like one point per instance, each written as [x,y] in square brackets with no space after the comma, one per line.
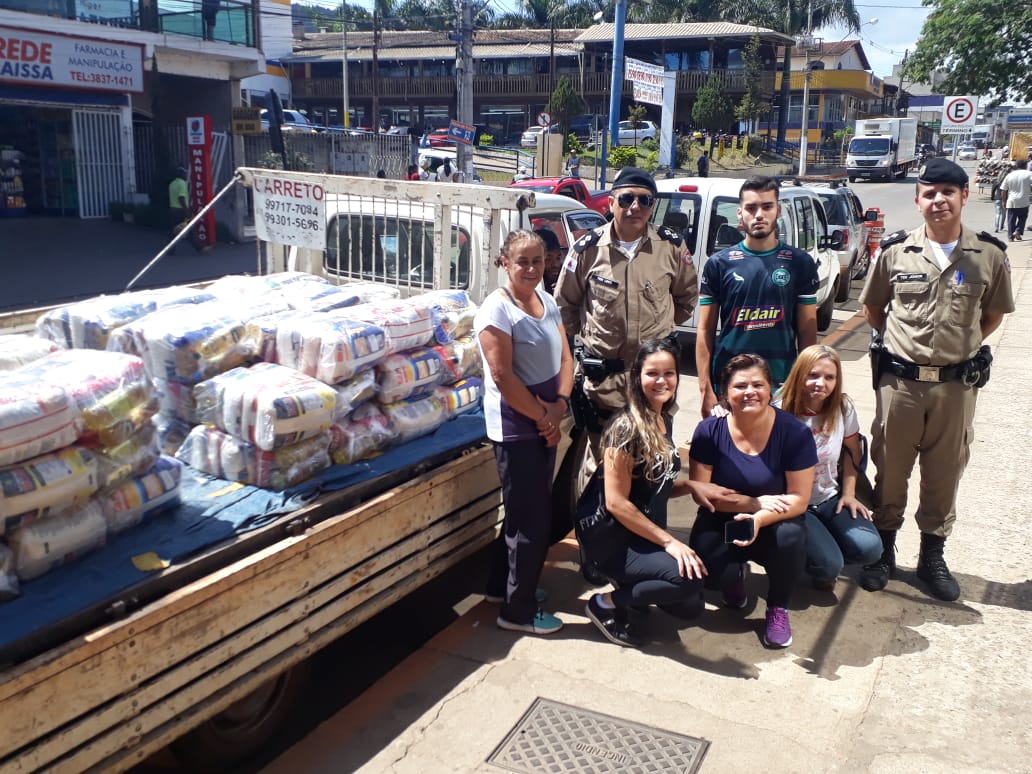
[768,456]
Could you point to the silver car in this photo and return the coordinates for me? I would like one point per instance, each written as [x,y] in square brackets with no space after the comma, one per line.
[846,215]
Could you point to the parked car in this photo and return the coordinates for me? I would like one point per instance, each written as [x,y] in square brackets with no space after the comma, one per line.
[584,126]
[967,153]
[628,134]
[704,210]
[529,139]
[947,149]
[293,121]
[846,215]
[572,187]
[439,137]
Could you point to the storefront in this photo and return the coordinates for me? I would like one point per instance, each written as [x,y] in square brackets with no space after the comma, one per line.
[65,123]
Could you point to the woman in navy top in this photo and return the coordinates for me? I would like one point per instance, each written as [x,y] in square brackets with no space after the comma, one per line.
[768,456]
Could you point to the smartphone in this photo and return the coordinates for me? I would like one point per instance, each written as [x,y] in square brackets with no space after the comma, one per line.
[738,530]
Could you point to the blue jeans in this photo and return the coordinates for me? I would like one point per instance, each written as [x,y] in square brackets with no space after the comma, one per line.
[1000,221]
[834,539]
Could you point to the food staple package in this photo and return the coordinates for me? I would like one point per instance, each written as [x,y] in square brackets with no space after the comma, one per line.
[406,323]
[40,547]
[245,286]
[365,433]
[415,372]
[222,455]
[34,418]
[18,349]
[112,391]
[189,344]
[460,397]
[260,333]
[332,349]
[9,588]
[267,404]
[413,418]
[46,485]
[452,313]
[172,431]
[369,292]
[134,456]
[176,400]
[142,496]
[461,358]
[355,392]
[88,324]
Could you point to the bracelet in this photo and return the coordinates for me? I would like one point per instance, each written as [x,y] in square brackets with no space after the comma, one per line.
[564,398]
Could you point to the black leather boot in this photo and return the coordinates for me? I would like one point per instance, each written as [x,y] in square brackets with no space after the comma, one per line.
[932,569]
[875,576]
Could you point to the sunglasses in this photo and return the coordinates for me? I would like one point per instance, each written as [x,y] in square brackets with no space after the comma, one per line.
[644,200]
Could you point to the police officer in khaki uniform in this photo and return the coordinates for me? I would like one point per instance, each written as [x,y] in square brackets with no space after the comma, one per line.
[934,294]
[625,283]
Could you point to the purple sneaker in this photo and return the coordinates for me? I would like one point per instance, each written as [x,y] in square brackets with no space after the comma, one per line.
[778,633]
[735,595]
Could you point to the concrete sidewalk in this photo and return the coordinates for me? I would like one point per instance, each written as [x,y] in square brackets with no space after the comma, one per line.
[894,681]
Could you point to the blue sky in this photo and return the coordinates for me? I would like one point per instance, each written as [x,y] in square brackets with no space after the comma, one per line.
[898,28]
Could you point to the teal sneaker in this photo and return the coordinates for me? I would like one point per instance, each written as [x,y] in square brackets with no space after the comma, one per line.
[543,623]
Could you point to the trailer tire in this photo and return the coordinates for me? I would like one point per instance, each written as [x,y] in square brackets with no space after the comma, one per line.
[241,730]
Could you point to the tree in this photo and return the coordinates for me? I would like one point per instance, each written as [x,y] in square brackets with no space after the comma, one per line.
[712,110]
[753,105]
[564,103]
[981,46]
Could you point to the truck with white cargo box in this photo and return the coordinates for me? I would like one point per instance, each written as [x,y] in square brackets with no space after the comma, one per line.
[882,148]
[203,645]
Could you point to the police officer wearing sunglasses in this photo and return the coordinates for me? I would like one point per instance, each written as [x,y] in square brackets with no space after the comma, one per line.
[625,283]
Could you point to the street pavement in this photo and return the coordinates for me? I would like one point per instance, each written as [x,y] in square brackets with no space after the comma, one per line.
[894,681]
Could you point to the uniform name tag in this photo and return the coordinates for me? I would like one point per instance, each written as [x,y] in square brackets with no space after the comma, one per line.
[604,281]
[916,277]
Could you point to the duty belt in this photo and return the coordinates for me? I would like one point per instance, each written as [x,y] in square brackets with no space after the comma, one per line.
[904,369]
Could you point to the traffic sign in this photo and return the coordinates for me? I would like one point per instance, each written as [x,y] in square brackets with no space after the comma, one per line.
[958,115]
[544,118]
[462,133]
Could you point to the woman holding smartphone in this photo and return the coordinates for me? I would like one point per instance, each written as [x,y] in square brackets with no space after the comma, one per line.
[768,456]
[838,526]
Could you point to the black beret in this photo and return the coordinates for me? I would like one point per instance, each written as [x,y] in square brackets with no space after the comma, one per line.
[549,238]
[633,177]
[940,170]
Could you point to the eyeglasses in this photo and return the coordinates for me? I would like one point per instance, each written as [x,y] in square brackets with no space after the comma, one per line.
[644,200]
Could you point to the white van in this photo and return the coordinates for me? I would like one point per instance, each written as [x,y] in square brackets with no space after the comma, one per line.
[705,211]
[392,241]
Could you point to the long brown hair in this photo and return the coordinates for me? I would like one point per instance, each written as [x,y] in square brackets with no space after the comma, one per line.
[635,430]
[793,391]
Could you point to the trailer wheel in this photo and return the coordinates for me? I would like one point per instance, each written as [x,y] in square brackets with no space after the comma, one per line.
[242,729]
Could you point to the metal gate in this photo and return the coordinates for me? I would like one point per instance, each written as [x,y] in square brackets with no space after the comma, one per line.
[100,161]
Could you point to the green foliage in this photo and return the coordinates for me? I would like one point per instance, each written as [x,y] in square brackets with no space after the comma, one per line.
[712,110]
[636,114]
[649,145]
[572,143]
[683,152]
[981,46]
[622,156]
[486,139]
[650,162]
[296,161]
[753,105]
[564,103]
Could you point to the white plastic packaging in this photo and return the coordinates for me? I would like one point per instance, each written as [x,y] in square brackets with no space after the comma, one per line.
[267,404]
[40,547]
[452,313]
[406,323]
[415,372]
[366,433]
[461,358]
[176,400]
[219,454]
[328,348]
[46,485]
[18,349]
[155,490]
[411,419]
[133,457]
[460,397]
[34,418]
[355,392]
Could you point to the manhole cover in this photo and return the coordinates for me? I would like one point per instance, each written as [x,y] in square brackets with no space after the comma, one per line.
[556,737]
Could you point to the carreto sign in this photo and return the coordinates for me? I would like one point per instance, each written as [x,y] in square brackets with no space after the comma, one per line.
[40,59]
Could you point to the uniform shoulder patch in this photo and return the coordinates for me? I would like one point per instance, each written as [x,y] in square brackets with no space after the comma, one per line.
[985,236]
[586,241]
[893,239]
[669,235]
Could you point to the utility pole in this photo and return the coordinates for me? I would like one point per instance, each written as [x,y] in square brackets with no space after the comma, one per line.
[376,71]
[899,93]
[464,87]
[804,127]
[346,118]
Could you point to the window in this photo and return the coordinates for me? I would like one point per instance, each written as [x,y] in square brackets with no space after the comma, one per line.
[679,211]
[804,223]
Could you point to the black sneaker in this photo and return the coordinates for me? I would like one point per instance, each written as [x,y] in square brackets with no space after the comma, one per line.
[612,622]
[933,571]
[875,576]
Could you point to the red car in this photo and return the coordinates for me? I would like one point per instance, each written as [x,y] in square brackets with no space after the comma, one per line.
[567,186]
[439,137]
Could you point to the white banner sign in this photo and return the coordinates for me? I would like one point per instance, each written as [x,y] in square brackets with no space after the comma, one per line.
[644,92]
[39,59]
[646,81]
[289,212]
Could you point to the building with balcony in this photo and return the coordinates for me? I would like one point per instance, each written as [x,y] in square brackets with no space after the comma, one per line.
[412,74]
[842,90]
[82,80]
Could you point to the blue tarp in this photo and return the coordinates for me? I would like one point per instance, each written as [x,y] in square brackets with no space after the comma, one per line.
[212,511]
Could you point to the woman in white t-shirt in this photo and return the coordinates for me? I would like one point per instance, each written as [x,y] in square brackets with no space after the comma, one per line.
[838,526]
[528,375]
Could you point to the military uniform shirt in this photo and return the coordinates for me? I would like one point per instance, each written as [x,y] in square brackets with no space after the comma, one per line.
[758,294]
[933,316]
